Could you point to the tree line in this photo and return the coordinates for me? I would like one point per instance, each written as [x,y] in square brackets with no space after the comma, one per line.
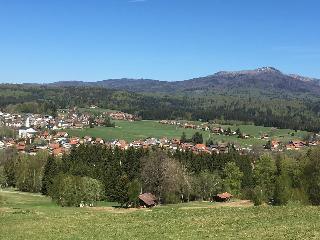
[92,173]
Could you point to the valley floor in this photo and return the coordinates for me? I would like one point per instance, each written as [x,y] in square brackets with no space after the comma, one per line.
[32,216]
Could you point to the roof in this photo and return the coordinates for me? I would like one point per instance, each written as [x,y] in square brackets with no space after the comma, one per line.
[224,195]
[57,151]
[54,145]
[200,146]
[148,198]
[31,130]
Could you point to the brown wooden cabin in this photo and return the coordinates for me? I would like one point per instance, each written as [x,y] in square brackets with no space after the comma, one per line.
[148,200]
[222,197]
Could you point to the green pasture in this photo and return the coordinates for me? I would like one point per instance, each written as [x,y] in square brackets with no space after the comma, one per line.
[32,216]
[130,131]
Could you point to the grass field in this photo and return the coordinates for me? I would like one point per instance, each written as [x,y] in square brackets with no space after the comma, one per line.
[142,129]
[32,216]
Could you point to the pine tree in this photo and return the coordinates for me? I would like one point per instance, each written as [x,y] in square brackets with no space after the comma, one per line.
[51,170]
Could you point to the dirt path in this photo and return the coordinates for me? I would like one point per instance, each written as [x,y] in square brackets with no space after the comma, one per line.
[241,203]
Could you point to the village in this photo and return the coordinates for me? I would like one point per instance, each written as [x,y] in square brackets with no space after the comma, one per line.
[30,133]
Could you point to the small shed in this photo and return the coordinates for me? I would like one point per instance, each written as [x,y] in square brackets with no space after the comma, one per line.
[148,200]
[222,197]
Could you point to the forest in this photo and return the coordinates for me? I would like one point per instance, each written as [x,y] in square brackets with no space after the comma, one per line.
[92,173]
[270,110]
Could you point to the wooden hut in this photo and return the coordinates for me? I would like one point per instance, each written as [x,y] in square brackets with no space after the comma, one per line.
[148,200]
[222,197]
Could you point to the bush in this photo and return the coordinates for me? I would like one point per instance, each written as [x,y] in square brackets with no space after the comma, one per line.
[257,196]
[171,198]
[68,190]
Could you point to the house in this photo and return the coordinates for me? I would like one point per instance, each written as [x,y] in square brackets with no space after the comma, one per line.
[186,146]
[222,197]
[99,141]
[175,141]
[148,200]
[10,143]
[295,145]
[54,146]
[44,135]
[136,144]
[61,134]
[190,126]
[21,146]
[217,130]
[58,151]
[74,141]
[200,147]
[25,132]
[223,148]
[87,139]
[2,145]
[275,144]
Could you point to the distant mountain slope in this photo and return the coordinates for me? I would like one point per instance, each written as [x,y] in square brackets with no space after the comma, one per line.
[262,79]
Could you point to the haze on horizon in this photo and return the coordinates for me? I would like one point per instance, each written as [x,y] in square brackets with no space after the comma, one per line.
[42,41]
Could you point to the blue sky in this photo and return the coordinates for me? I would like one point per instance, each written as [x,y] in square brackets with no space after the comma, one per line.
[90,40]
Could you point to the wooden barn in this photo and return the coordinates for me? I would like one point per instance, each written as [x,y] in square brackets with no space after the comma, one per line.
[148,200]
[222,197]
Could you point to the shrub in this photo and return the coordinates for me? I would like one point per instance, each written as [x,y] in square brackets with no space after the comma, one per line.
[68,190]
[257,196]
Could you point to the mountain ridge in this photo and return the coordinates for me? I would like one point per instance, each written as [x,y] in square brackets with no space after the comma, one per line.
[263,78]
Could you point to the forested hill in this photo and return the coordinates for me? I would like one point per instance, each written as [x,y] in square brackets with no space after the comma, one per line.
[263,96]
[266,79]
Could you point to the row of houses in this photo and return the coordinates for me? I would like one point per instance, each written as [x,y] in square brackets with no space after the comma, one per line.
[292,145]
[121,116]
[59,142]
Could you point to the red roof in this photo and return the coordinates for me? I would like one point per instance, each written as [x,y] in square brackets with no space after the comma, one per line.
[57,151]
[200,146]
[21,147]
[225,195]
[54,145]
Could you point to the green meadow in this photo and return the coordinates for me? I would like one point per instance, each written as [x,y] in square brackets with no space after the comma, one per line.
[143,129]
[32,216]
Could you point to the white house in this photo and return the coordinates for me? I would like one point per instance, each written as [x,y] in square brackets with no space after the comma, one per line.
[26,132]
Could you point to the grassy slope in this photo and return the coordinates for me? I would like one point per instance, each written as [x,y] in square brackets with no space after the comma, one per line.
[142,129]
[30,216]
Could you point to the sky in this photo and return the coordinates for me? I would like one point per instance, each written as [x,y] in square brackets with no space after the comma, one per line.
[90,40]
